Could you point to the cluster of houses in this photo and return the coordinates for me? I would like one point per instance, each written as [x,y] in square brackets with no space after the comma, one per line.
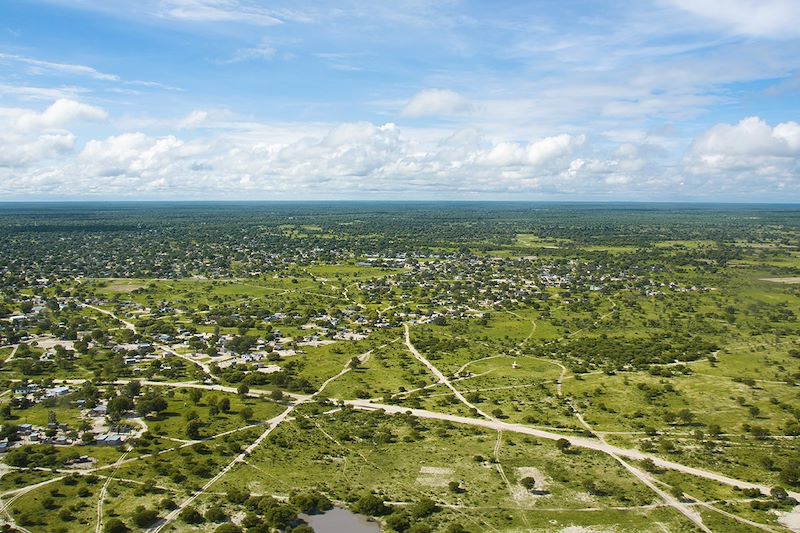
[57,434]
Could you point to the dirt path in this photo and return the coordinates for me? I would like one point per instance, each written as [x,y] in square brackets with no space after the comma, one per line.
[581,442]
[131,326]
[241,458]
[13,352]
[441,377]
[102,496]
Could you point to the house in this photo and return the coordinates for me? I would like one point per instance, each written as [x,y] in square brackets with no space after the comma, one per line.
[56,392]
[100,410]
[110,440]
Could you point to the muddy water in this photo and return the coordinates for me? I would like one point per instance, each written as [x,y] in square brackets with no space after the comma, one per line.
[340,521]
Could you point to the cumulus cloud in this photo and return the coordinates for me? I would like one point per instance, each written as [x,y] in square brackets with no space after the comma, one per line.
[365,158]
[750,151]
[750,137]
[28,136]
[535,153]
[763,18]
[353,157]
[436,102]
[59,114]
[16,152]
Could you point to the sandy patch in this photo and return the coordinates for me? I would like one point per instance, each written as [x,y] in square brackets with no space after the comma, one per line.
[782,280]
[520,493]
[350,336]
[316,343]
[47,344]
[124,287]
[432,476]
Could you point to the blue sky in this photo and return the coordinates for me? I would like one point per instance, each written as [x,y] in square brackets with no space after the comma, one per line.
[245,99]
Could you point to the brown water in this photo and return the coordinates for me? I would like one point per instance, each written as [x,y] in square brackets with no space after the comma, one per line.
[340,521]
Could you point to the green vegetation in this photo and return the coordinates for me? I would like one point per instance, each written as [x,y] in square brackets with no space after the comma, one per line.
[226,368]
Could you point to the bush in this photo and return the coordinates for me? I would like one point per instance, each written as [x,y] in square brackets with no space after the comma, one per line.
[216,514]
[143,517]
[190,515]
[370,505]
[168,504]
[115,525]
[311,502]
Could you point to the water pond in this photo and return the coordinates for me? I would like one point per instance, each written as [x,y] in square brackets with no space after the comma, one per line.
[340,521]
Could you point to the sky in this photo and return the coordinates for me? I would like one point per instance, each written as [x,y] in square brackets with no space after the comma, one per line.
[617,100]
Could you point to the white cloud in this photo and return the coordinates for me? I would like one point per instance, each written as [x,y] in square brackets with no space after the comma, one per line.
[535,153]
[28,136]
[364,157]
[762,18]
[15,151]
[436,102]
[750,154]
[27,92]
[263,51]
[193,119]
[59,114]
[217,11]
[750,137]
[37,66]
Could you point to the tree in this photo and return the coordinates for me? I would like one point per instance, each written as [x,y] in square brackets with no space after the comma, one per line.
[236,495]
[423,508]
[9,431]
[243,389]
[398,521]
[563,445]
[455,487]
[132,389]
[311,502]
[225,405]
[143,516]
[168,504]
[115,525]
[117,406]
[246,413]
[790,474]
[195,395]
[193,429]
[190,515]
[779,493]
[216,514]
[276,395]
[528,482]
[281,516]
[370,505]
